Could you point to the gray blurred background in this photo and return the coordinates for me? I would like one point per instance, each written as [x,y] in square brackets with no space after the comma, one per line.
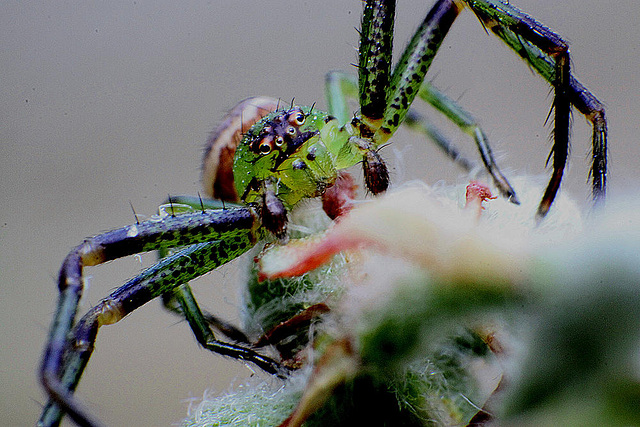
[106,103]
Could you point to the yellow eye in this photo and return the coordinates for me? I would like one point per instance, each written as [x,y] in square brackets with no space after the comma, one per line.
[264,146]
[297,118]
[279,141]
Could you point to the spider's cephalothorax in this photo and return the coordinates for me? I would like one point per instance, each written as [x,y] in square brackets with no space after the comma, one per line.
[296,153]
[281,160]
[269,159]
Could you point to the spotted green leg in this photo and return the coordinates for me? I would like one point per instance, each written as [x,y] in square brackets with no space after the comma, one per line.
[340,87]
[222,235]
[385,96]
[173,301]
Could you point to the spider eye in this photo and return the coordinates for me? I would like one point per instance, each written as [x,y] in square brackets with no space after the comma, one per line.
[265,148]
[291,131]
[279,141]
[265,145]
[297,118]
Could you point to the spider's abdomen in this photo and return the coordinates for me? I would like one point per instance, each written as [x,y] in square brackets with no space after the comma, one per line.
[220,150]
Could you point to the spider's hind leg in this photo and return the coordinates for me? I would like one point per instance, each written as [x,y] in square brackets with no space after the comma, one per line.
[170,302]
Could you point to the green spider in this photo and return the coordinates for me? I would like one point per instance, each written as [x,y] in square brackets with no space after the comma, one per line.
[297,153]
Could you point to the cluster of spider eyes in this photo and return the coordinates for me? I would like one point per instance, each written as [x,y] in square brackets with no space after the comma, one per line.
[278,131]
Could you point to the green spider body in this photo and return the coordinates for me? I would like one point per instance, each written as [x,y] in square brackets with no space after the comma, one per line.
[293,155]
[277,158]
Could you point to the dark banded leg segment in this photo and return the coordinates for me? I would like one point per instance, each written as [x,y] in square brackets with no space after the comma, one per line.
[374,66]
[381,120]
[225,235]
[548,54]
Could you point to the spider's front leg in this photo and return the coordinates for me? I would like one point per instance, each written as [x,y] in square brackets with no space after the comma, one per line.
[341,86]
[385,96]
[211,238]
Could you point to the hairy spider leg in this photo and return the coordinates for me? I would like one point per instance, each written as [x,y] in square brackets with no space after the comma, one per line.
[386,96]
[420,123]
[187,203]
[212,238]
[548,54]
[469,125]
[341,86]
[383,110]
